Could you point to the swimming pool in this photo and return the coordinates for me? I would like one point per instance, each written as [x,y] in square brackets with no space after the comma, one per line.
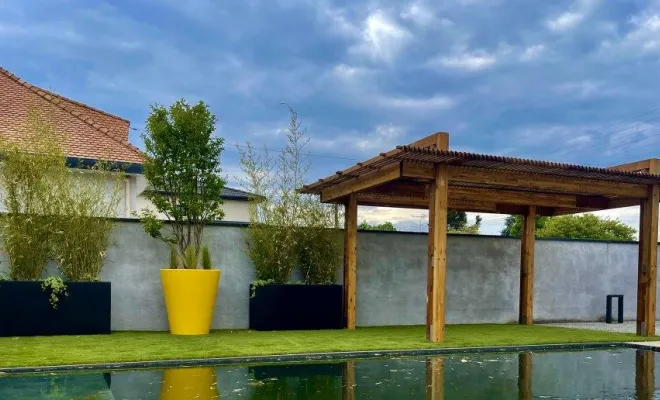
[594,374]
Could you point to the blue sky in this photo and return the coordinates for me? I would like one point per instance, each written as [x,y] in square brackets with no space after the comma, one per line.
[538,79]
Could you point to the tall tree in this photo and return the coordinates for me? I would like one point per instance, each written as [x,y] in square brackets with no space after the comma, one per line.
[586,226]
[183,169]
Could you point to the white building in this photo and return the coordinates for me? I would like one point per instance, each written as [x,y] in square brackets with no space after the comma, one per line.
[89,135]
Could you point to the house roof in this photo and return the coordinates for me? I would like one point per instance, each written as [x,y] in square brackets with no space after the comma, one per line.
[86,132]
[235,194]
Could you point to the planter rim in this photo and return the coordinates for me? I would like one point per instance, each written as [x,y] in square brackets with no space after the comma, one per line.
[184,270]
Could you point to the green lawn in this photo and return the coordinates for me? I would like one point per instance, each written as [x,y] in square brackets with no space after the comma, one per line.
[145,346]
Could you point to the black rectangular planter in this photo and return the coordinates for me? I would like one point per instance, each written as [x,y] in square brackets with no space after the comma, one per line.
[296,307]
[26,311]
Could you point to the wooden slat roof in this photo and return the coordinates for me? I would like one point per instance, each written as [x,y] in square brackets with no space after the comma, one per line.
[484,161]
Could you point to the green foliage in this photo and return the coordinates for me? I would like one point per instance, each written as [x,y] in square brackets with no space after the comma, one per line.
[206,258]
[257,283]
[190,258]
[57,289]
[30,184]
[319,248]
[385,226]
[183,168]
[54,211]
[513,225]
[287,229]
[456,220]
[467,229]
[585,226]
[174,258]
[88,205]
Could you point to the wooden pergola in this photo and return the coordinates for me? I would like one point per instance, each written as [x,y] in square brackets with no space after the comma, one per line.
[427,175]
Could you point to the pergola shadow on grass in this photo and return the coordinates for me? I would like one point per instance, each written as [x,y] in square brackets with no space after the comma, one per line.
[427,175]
[153,346]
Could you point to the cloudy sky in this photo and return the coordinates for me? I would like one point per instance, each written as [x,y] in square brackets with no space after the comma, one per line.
[574,81]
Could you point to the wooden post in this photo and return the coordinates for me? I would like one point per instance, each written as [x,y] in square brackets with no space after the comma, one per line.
[641,271]
[644,374]
[437,270]
[525,376]
[348,392]
[647,270]
[435,378]
[350,260]
[526,311]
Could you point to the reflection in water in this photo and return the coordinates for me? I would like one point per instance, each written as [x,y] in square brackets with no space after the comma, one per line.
[189,383]
[644,374]
[618,374]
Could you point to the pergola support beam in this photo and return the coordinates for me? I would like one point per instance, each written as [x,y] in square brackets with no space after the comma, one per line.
[350,260]
[437,269]
[647,271]
[526,311]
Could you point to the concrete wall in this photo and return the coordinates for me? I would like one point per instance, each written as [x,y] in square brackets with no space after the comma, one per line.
[571,278]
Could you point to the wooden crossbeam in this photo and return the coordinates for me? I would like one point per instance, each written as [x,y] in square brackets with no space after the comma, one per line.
[526,181]
[410,189]
[377,177]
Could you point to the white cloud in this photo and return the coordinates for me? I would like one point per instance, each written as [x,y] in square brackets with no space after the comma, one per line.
[382,37]
[473,61]
[436,102]
[578,12]
[646,32]
[531,53]
[422,15]
[382,137]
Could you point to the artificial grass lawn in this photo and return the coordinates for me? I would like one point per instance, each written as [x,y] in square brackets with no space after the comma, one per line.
[147,346]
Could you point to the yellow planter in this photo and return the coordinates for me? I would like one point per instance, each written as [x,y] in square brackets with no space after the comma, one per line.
[190,299]
[189,383]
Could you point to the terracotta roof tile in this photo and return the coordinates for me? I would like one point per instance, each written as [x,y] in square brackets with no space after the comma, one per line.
[86,131]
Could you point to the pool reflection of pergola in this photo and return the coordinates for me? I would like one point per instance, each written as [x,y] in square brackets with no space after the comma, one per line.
[427,175]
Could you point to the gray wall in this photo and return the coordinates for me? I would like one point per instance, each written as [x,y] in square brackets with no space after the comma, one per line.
[571,278]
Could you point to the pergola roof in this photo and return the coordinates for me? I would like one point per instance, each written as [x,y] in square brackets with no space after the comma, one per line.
[488,183]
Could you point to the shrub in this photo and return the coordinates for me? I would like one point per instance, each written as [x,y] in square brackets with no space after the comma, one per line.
[190,258]
[174,259]
[287,229]
[88,205]
[206,258]
[30,182]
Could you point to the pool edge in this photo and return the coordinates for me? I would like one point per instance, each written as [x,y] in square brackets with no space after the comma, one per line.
[310,357]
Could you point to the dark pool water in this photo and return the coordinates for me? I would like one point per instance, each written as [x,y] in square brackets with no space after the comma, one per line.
[612,374]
